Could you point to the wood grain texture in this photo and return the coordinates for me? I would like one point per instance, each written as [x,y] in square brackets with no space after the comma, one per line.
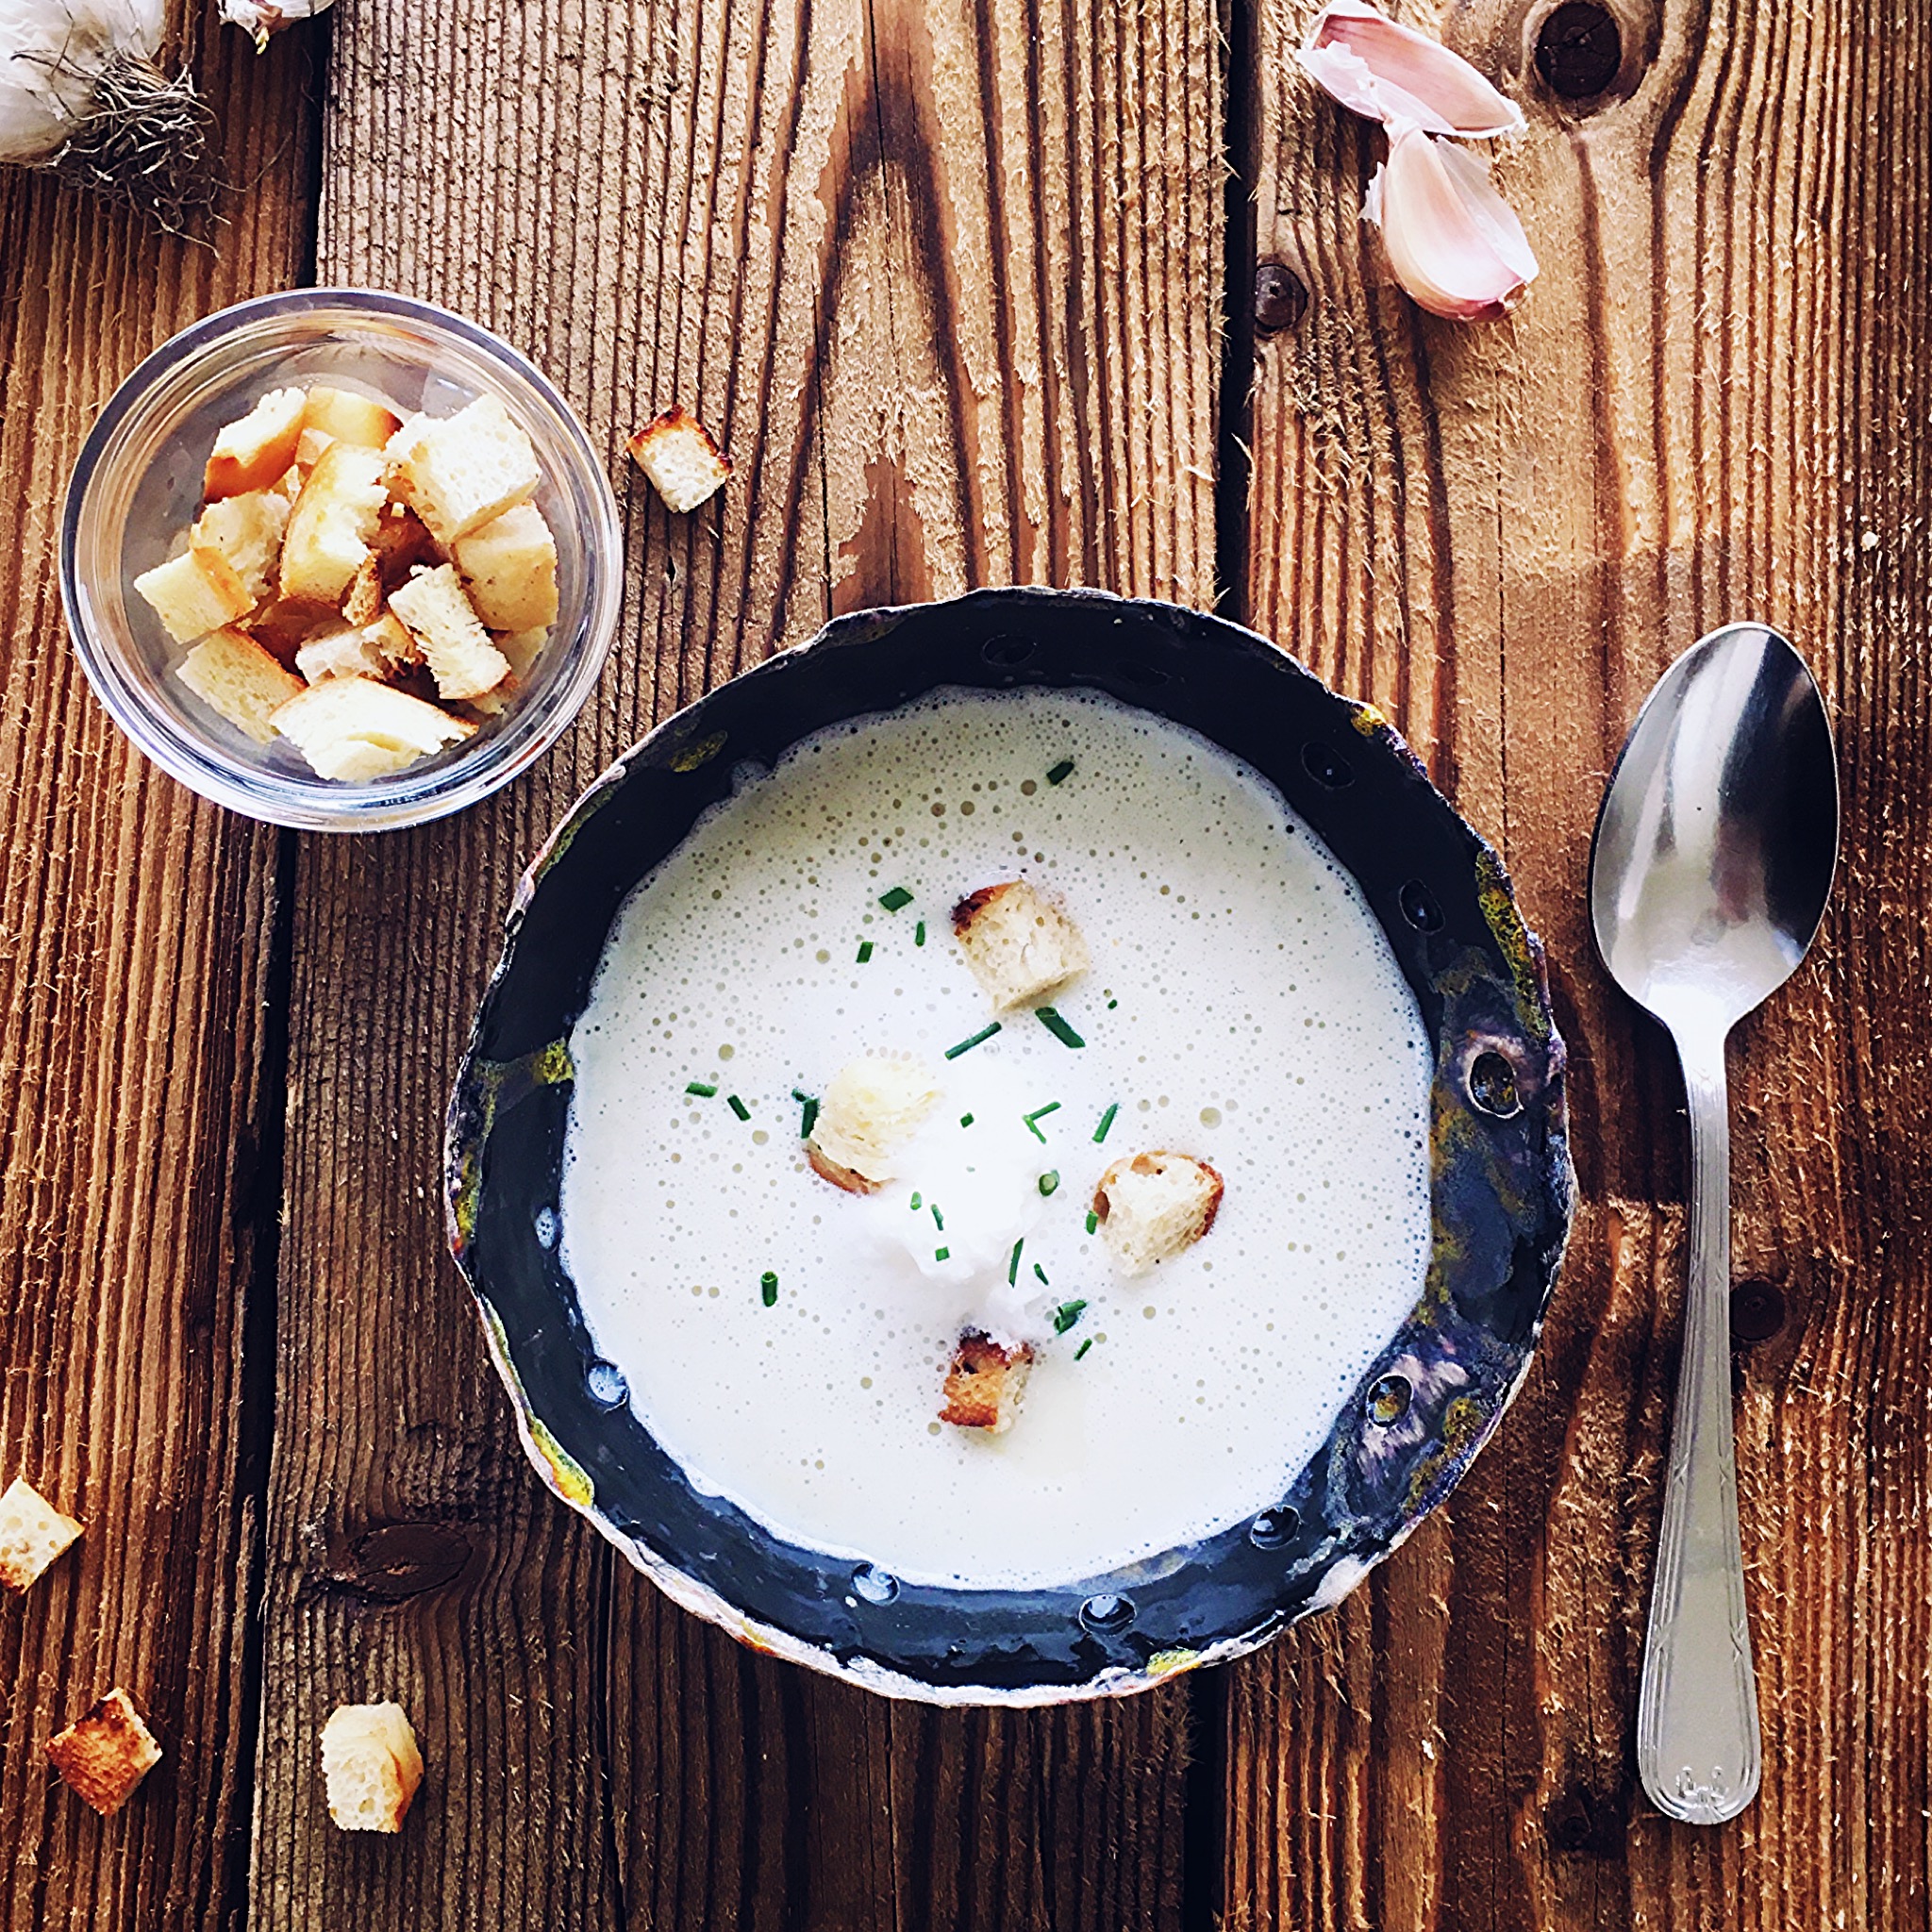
[135,927]
[943,278]
[1712,405]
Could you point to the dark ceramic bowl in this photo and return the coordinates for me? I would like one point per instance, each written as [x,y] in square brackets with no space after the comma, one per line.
[1502,1182]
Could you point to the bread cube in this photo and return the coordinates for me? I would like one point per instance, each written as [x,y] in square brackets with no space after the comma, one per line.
[333,521]
[194,594]
[363,600]
[245,532]
[250,454]
[1020,945]
[103,1754]
[676,452]
[357,730]
[457,648]
[230,672]
[349,652]
[310,448]
[509,566]
[32,1534]
[372,1765]
[283,625]
[458,472]
[401,543]
[523,647]
[349,418]
[870,1109]
[1152,1207]
[392,637]
[985,1383]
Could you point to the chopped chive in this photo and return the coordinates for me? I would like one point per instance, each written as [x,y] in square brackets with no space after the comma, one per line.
[1061,773]
[768,1287]
[1057,1026]
[1049,1180]
[1083,1348]
[807,1118]
[939,1220]
[942,1254]
[737,1107]
[965,1120]
[1041,1274]
[1013,1261]
[1038,1114]
[1092,1222]
[895,899]
[1111,1005]
[1105,1122]
[919,934]
[864,950]
[914,1204]
[985,1033]
[1066,1315]
[799,1093]
[703,1088]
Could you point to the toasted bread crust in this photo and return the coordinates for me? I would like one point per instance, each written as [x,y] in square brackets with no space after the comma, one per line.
[984,1382]
[849,1178]
[682,459]
[106,1752]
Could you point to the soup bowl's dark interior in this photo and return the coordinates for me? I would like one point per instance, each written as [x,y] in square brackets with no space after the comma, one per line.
[1501,1178]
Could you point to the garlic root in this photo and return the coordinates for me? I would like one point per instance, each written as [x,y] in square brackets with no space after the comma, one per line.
[81,96]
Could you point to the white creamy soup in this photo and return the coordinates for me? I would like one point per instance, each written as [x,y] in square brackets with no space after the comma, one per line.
[1243,1007]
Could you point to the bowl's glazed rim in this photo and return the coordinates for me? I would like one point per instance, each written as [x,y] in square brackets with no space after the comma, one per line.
[1463,1422]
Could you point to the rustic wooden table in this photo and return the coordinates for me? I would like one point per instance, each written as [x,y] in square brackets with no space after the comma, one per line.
[1071,290]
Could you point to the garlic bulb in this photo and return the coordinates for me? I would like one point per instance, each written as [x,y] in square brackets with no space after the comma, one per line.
[1386,72]
[80,95]
[262,18]
[1454,243]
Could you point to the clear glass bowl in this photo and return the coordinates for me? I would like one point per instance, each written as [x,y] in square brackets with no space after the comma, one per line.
[138,485]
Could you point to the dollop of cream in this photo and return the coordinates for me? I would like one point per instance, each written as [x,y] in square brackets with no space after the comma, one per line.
[966,1192]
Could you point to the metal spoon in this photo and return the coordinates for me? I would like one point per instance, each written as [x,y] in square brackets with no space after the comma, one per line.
[1708,874]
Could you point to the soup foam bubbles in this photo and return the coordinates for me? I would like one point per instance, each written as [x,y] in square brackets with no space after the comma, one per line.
[1243,1007]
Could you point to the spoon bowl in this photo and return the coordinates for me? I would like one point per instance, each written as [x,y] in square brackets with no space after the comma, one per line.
[1714,854]
[1710,872]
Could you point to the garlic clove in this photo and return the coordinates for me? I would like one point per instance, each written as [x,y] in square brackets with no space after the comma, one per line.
[1379,68]
[1453,243]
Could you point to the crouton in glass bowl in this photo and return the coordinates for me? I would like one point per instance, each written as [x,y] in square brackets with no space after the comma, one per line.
[340,612]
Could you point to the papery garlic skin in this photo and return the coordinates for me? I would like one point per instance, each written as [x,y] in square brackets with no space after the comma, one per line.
[52,53]
[1453,243]
[259,18]
[1386,71]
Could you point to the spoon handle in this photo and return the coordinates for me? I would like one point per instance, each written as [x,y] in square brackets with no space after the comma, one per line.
[1697,1746]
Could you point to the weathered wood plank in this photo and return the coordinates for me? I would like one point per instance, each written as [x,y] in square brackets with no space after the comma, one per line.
[1713,404]
[943,278]
[135,927]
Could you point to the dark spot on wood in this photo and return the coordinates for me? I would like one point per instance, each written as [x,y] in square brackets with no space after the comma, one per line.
[1586,1823]
[1757,1311]
[1281,298]
[397,1560]
[1579,50]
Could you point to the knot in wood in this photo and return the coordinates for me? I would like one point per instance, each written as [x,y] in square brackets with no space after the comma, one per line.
[397,1560]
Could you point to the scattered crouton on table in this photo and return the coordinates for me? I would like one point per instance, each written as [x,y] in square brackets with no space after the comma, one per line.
[372,1765]
[106,1752]
[676,452]
[32,1534]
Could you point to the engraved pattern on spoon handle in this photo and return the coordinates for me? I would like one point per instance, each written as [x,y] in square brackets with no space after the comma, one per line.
[1697,1740]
